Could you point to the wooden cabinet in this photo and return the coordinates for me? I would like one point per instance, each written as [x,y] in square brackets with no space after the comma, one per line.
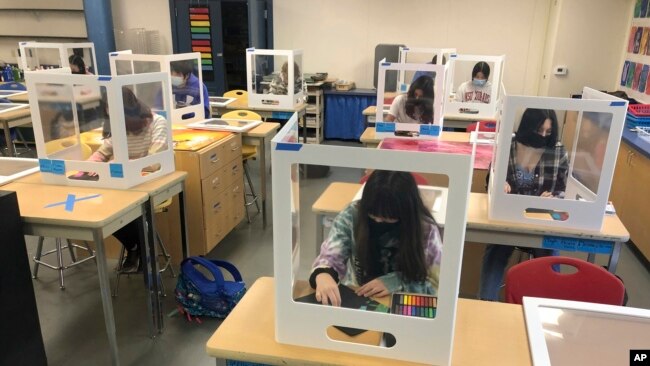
[215,191]
[631,178]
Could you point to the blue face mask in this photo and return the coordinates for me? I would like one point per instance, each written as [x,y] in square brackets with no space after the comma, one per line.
[478,82]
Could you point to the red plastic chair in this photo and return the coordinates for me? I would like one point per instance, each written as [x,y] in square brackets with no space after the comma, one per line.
[536,278]
[483,126]
[419,180]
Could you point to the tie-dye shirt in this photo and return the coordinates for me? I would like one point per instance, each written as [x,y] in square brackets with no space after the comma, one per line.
[338,252]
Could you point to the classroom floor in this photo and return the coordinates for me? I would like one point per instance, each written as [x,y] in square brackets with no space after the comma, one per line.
[72,321]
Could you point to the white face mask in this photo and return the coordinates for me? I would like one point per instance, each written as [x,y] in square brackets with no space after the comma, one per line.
[177,80]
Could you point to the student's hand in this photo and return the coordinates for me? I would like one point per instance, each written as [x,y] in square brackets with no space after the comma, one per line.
[373,288]
[507,188]
[546,194]
[327,290]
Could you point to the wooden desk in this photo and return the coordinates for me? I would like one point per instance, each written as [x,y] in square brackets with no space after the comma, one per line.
[486,333]
[258,136]
[91,220]
[480,229]
[454,121]
[13,119]
[20,98]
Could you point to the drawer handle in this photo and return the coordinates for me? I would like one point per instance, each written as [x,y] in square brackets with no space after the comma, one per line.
[214,158]
[216,206]
[233,146]
[235,169]
[235,190]
[215,181]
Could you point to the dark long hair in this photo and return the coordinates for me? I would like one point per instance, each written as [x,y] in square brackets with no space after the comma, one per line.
[532,119]
[392,194]
[424,104]
[137,115]
[79,62]
[483,67]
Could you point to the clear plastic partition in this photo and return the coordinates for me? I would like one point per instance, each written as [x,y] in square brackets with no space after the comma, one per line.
[473,86]
[564,332]
[81,60]
[70,112]
[380,231]
[80,57]
[556,156]
[274,78]
[186,88]
[414,55]
[40,58]
[417,112]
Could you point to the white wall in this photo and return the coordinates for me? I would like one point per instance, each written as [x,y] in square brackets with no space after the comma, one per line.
[148,14]
[339,36]
[590,37]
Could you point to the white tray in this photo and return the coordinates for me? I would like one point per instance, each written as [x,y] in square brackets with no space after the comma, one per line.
[219,124]
[221,101]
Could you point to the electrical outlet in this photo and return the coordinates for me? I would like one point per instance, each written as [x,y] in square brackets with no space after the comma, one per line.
[560,70]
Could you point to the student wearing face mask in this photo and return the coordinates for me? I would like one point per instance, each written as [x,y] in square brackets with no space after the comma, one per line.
[185,86]
[416,106]
[479,88]
[386,242]
[538,166]
[146,134]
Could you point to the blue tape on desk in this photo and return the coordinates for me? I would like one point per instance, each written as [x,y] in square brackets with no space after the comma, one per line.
[45,165]
[595,246]
[117,170]
[283,146]
[560,243]
[430,130]
[281,115]
[58,167]
[384,127]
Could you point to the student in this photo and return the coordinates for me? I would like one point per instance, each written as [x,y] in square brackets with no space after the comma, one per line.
[78,66]
[477,90]
[185,86]
[432,74]
[386,242]
[280,82]
[146,135]
[416,106]
[537,167]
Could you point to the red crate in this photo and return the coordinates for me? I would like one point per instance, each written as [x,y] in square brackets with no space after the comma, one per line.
[639,109]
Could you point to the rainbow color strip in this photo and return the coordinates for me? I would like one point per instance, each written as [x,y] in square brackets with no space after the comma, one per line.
[422,306]
[200,31]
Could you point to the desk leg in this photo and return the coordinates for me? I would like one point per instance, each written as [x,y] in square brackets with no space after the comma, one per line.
[147,273]
[591,257]
[10,145]
[221,362]
[104,289]
[613,259]
[150,245]
[262,156]
[184,240]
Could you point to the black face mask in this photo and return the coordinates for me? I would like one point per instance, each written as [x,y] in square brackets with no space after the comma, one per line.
[534,140]
[378,229]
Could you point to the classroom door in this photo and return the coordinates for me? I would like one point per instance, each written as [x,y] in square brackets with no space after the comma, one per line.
[196,27]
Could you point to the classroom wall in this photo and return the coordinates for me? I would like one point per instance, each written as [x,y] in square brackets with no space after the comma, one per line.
[148,14]
[588,36]
[339,36]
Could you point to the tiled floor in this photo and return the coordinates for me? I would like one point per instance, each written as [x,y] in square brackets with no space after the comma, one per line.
[73,324]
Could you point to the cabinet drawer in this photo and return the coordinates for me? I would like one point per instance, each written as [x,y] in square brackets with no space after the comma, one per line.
[232,148]
[214,184]
[235,194]
[211,159]
[233,172]
[215,220]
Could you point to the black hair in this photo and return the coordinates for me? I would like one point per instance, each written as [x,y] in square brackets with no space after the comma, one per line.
[79,62]
[434,60]
[137,115]
[422,105]
[531,121]
[184,67]
[482,67]
[395,195]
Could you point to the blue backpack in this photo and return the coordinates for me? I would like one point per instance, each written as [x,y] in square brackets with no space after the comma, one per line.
[202,296]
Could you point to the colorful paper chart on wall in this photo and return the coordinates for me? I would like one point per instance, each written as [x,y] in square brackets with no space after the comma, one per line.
[200,31]
[636,68]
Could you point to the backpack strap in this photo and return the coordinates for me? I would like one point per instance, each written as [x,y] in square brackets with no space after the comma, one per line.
[234,272]
[187,268]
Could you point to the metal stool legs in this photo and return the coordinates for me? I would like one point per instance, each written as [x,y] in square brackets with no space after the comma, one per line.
[251,194]
[167,264]
[60,267]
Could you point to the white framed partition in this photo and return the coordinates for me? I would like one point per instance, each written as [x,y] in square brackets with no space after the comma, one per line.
[590,163]
[34,54]
[127,63]
[421,56]
[266,69]
[399,128]
[426,340]
[59,132]
[461,72]
[562,332]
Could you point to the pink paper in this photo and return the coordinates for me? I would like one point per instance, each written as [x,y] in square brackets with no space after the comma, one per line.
[481,160]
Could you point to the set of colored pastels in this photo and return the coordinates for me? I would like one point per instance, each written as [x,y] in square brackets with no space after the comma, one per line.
[422,306]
